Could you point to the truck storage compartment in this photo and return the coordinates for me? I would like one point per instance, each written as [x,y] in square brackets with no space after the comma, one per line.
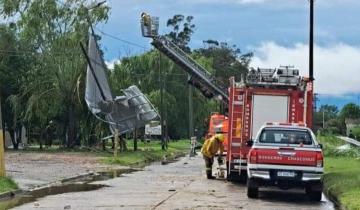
[268,108]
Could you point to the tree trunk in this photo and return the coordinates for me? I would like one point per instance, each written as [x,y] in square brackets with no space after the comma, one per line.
[18,137]
[123,146]
[47,138]
[41,139]
[103,145]
[14,139]
[72,127]
[135,140]
[63,135]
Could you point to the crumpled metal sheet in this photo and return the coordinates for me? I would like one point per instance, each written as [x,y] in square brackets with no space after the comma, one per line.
[127,112]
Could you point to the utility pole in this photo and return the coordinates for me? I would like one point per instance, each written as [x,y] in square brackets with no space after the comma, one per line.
[311,54]
[323,120]
[191,109]
[2,144]
[311,42]
[163,146]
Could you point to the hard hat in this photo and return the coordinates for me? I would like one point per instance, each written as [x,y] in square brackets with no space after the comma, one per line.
[220,137]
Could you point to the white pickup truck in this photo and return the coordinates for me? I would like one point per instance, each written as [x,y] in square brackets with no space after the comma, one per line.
[286,156]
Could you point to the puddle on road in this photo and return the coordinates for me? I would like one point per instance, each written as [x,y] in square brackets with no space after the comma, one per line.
[113,174]
[295,196]
[79,184]
[101,176]
[46,191]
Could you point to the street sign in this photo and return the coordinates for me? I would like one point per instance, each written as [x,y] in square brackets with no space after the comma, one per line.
[153,128]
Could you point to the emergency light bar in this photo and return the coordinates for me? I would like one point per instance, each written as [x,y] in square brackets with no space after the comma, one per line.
[286,124]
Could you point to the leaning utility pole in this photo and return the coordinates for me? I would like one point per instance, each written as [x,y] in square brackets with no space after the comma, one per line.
[2,155]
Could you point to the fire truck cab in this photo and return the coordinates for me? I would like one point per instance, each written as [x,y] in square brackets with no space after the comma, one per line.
[286,156]
[218,123]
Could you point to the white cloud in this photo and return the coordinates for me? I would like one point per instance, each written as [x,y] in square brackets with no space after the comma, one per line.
[250,1]
[224,1]
[336,67]
[111,64]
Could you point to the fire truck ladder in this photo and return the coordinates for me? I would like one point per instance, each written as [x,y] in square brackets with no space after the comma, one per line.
[199,76]
[236,119]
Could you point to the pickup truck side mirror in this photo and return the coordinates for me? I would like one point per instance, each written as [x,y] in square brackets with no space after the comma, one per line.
[249,143]
[321,146]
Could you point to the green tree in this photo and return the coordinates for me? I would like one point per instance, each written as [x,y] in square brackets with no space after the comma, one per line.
[227,60]
[53,85]
[182,29]
[330,111]
[14,62]
[325,114]
[351,111]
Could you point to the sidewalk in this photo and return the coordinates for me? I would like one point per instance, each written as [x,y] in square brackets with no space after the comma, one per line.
[30,170]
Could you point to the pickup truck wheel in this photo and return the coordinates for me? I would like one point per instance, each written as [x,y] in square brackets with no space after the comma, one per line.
[314,192]
[252,188]
[315,195]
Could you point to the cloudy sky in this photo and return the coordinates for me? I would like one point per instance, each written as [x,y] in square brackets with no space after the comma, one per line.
[275,30]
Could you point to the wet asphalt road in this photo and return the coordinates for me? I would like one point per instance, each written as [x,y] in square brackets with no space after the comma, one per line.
[179,185]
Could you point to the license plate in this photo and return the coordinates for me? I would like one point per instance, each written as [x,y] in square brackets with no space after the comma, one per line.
[286,173]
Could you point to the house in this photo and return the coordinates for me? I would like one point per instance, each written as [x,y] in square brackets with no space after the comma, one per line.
[350,124]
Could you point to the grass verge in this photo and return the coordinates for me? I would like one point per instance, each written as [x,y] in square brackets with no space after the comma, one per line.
[150,152]
[7,184]
[342,173]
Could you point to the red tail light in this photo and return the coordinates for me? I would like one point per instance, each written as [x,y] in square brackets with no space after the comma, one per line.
[319,159]
[253,156]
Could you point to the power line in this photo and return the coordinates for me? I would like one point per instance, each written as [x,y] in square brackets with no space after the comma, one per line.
[22,52]
[120,39]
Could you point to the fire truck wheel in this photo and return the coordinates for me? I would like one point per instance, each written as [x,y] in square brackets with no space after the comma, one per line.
[235,177]
[252,188]
[243,176]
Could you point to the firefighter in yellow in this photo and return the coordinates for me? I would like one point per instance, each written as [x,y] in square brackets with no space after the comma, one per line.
[146,18]
[209,150]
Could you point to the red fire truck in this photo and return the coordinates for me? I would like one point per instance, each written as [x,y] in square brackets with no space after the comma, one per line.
[267,95]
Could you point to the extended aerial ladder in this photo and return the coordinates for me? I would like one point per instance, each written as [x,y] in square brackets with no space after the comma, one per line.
[199,76]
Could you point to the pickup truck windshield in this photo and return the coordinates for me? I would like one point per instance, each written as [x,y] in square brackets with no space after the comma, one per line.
[278,136]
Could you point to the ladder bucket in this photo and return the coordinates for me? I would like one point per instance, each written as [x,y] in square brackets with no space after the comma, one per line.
[149,26]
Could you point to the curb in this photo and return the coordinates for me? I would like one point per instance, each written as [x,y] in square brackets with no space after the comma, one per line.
[74,178]
[328,193]
[10,194]
[13,193]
